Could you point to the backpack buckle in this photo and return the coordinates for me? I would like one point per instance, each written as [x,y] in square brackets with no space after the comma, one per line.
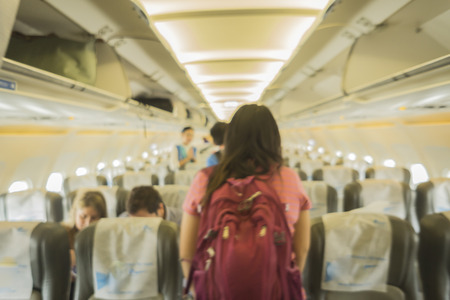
[279,238]
[211,234]
[247,203]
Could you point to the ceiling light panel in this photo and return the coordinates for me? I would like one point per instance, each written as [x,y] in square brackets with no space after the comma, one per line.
[236,45]
[231,37]
[244,70]
[158,7]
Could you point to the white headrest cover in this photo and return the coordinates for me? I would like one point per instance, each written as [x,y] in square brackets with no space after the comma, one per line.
[357,252]
[125,258]
[389,173]
[133,179]
[27,205]
[77,182]
[441,194]
[16,281]
[383,196]
[317,192]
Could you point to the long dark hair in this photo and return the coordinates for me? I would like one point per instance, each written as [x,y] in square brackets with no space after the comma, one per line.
[252,147]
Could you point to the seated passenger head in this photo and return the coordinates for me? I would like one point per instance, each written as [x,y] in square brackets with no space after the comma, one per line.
[218,132]
[145,201]
[187,134]
[89,207]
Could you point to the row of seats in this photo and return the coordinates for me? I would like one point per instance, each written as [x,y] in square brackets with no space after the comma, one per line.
[381,195]
[432,196]
[342,174]
[130,179]
[50,262]
[41,205]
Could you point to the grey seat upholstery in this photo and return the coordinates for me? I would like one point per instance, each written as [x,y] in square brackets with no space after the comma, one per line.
[31,205]
[323,197]
[402,279]
[431,195]
[434,256]
[381,172]
[173,197]
[50,261]
[121,196]
[354,191]
[302,174]
[169,270]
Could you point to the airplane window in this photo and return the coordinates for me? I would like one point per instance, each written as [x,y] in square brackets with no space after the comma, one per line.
[418,174]
[351,156]
[55,182]
[18,186]
[389,163]
[101,166]
[81,171]
[446,173]
[368,159]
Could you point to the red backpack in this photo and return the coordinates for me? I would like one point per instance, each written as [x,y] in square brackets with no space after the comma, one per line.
[244,246]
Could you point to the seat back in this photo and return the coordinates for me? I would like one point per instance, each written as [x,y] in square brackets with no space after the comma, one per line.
[168,268]
[49,259]
[73,183]
[132,179]
[159,172]
[396,173]
[432,196]
[31,205]
[401,275]
[115,198]
[323,197]
[309,166]
[184,177]
[434,256]
[302,174]
[173,198]
[386,196]
[337,177]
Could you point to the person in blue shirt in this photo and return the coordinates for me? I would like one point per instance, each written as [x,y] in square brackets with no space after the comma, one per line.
[217,133]
[183,154]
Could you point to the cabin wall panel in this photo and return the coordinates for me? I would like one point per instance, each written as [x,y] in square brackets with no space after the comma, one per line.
[433,142]
[20,148]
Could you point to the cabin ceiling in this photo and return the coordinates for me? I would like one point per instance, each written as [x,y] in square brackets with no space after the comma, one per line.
[360,60]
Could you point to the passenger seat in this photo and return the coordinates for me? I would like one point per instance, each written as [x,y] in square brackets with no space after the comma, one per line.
[396,173]
[337,177]
[31,205]
[434,256]
[432,197]
[379,195]
[167,264]
[323,197]
[401,277]
[49,259]
[73,183]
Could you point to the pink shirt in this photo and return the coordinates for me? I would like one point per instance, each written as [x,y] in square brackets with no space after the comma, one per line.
[287,185]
